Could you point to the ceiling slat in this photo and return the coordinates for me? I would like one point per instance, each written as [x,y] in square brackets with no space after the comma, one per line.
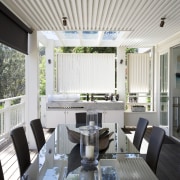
[59,13]
[24,8]
[109,18]
[105,14]
[84,12]
[57,20]
[79,14]
[130,17]
[75,14]
[47,12]
[119,19]
[153,22]
[95,14]
[100,10]
[114,23]
[39,15]
[65,7]
[90,16]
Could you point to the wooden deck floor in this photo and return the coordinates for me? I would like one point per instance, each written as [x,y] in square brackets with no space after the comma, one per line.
[9,160]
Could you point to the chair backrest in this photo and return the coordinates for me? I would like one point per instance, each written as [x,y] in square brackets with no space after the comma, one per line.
[21,147]
[1,172]
[154,147]
[81,119]
[139,133]
[37,130]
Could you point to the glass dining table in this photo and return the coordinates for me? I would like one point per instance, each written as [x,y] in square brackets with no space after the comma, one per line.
[60,158]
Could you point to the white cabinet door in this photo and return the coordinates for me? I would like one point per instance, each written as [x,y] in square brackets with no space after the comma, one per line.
[53,118]
[113,116]
[71,116]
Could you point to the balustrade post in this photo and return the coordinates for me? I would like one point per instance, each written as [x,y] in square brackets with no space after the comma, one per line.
[7,117]
[23,109]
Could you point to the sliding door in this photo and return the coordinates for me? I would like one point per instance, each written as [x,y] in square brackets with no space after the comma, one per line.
[164,97]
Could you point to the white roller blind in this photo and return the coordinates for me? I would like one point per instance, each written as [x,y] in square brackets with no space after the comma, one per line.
[82,73]
[138,73]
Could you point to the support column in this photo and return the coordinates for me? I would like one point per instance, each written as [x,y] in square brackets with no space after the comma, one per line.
[50,67]
[121,67]
[32,87]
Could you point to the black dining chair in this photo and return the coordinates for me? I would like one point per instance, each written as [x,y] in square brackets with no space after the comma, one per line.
[1,172]
[154,147]
[81,119]
[139,133]
[37,130]
[21,147]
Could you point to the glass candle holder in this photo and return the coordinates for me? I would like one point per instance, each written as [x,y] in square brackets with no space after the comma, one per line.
[92,118]
[89,145]
[89,174]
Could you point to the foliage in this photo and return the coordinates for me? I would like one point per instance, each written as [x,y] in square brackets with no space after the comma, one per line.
[12,76]
[85,50]
[131,50]
[42,75]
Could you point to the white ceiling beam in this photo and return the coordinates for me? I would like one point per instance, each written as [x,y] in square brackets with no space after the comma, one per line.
[100,37]
[80,37]
[60,37]
[42,39]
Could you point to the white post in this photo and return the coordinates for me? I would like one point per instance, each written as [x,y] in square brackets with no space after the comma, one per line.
[7,117]
[32,87]
[50,67]
[121,73]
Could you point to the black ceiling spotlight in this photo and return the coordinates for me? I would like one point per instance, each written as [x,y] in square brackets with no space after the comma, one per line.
[64,21]
[162,22]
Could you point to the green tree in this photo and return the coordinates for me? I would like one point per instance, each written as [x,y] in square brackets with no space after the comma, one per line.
[42,75]
[12,76]
[131,50]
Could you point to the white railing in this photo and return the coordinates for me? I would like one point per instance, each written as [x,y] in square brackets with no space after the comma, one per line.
[12,114]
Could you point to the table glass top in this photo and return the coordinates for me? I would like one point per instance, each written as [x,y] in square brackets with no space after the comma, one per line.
[60,158]
[119,143]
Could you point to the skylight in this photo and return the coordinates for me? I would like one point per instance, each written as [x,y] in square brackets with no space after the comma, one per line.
[110,35]
[86,38]
[90,34]
[50,35]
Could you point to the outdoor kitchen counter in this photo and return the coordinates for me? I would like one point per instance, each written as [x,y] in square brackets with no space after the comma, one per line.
[85,105]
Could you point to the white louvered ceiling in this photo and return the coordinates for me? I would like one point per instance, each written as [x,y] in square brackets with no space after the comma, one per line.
[140,19]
